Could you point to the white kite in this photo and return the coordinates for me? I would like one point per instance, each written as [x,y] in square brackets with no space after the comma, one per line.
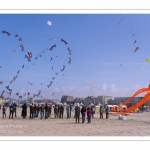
[49,23]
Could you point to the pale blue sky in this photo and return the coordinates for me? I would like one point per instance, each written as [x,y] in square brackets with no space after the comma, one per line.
[98,48]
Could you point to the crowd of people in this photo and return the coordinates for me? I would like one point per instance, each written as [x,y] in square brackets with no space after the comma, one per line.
[44,111]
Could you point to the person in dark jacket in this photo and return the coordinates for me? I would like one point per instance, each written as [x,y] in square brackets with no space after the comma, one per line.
[11,111]
[70,110]
[41,111]
[4,111]
[46,111]
[77,113]
[61,111]
[83,112]
[38,110]
[31,111]
[107,112]
[35,111]
[24,111]
[15,109]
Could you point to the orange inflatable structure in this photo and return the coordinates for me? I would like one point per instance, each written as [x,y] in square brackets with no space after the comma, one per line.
[137,105]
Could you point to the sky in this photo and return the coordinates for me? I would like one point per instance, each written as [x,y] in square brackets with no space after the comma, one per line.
[103,61]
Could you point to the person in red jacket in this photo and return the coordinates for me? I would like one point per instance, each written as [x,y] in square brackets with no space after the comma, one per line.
[89,114]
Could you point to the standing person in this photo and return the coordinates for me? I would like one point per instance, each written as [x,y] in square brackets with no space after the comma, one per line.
[89,114]
[83,112]
[15,109]
[56,111]
[41,111]
[38,110]
[11,111]
[101,112]
[50,110]
[24,111]
[35,111]
[31,110]
[70,110]
[61,111]
[92,109]
[46,111]
[4,111]
[107,112]
[77,113]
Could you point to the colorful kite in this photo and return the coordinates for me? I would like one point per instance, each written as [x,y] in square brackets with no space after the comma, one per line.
[137,48]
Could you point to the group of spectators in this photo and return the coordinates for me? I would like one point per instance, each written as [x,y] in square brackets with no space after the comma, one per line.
[44,111]
[89,112]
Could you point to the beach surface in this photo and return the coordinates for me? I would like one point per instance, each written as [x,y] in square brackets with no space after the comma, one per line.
[136,124]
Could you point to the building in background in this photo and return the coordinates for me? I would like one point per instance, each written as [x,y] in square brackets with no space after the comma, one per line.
[67,99]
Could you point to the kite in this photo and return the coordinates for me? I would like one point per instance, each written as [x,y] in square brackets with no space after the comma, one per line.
[121,20]
[17,94]
[122,65]
[51,58]
[132,35]
[52,68]
[148,59]
[30,54]
[63,68]
[62,40]
[50,84]
[134,41]
[137,48]
[17,36]
[51,48]
[23,66]
[22,47]
[18,71]
[1,82]
[44,50]
[49,23]
[40,55]
[52,39]
[30,83]
[0,66]
[6,32]
[26,56]
[14,50]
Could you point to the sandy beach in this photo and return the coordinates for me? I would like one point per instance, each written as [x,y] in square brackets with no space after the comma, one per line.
[136,124]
